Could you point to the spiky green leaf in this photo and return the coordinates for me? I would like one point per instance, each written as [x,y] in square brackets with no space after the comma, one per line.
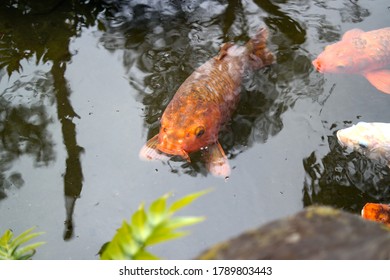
[185,201]
[11,249]
[149,227]
[5,238]
[145,255]
[139,225]
[24,237]
[158,210]
[178,222]
[28,251]
[122,246]
[162,236]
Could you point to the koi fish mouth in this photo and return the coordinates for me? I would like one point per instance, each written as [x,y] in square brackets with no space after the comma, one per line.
[173,150]
[343,140]
[340,138]
[317,65]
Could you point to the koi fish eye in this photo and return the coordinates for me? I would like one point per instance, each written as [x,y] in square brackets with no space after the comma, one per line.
[199,131]
[341,66]
[363,144]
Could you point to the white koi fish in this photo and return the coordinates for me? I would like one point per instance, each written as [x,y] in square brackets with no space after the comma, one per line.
[370,139]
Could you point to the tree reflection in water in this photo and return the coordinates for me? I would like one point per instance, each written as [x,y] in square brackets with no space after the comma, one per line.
[345,180]
[23,126]
[52,23]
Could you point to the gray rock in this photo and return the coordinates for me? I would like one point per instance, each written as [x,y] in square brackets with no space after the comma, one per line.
[317,232]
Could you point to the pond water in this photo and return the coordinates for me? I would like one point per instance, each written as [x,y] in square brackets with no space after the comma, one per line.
[84,83]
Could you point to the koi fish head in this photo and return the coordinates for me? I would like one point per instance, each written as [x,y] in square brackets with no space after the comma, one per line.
[337,58]
[370,139]
[180,141]
[186,135]
[376,212]
[182,134]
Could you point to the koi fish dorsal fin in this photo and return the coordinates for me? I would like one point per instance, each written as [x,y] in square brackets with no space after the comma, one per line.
[352,33]
[379,79]
[150,152]
[216,161]
[223,51]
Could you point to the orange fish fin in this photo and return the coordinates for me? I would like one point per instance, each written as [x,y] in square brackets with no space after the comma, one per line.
[150,152]
[352,33]
[379,79]
[185,156]
[216,161]
[223,51]
[377,212]
[258,52]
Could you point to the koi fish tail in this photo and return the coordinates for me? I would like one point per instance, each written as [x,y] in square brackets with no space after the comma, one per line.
[258,51]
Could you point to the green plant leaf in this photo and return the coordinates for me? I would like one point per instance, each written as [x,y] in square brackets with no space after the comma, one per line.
[149,227]
[122,246]
[158,210]
[24,237]
[28,251]
[178,222]
[166,231]
[177,205]
[26,257]
[144,255]
[5,238]
[11,249]
[103,248]
[139,225]
[161,236]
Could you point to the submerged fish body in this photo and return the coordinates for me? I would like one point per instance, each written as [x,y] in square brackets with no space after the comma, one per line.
[359,52]
[204,102]
[370,139]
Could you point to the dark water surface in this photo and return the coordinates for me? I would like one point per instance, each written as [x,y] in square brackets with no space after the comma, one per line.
[83,85]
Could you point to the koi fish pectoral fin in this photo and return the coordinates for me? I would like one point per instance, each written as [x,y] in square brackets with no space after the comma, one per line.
[216,161]
[379,79]
[150,152]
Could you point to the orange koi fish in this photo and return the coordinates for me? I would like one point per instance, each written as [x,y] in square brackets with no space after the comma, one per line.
[377,212]
[359,52]
[204,102]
